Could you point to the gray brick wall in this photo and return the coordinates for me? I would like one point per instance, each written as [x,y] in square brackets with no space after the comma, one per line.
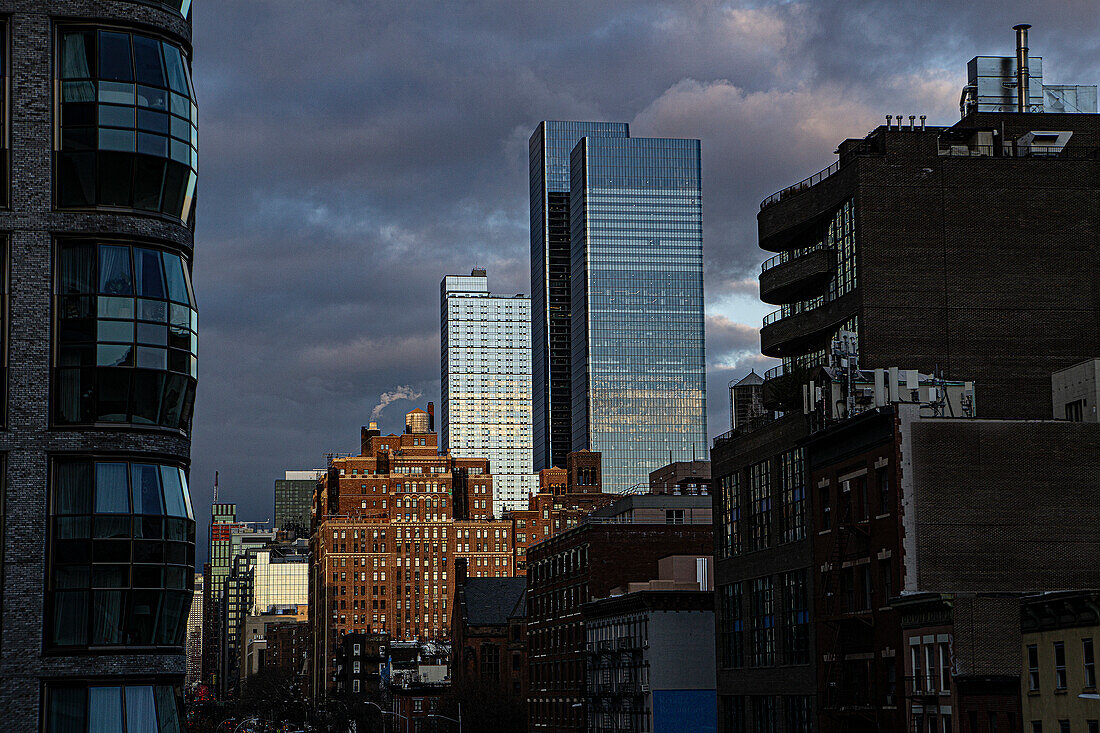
[30,225]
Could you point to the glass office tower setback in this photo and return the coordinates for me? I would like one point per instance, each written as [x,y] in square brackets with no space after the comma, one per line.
[550,146]
[638,376]
[485,369]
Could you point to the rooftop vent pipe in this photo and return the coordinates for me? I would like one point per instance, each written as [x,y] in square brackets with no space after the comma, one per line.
[1022,75]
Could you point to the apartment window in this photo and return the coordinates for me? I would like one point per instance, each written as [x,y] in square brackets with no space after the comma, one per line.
[732,711]
[796,619]
[1093,726]
[674,516]
[122,553]
[918,670]
[490,662]
[799,714]
[127,124]
[1063,726]
[793,487]
[945,666]
[127,343]
[760,504]
[764,718]
[131,708]
[1033,668]
[731,625]
[730,510]
[1036,726]
[1059,665]
[887,573]
[762,621]
[1088,655]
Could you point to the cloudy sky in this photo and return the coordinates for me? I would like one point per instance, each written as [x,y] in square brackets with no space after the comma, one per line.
[353,152]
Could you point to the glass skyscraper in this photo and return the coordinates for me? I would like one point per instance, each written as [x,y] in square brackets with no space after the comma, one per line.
[636,269]
[551,347]
[485,365]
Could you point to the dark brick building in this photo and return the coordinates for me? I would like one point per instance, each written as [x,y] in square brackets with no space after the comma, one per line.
[96,210]
[575,567]
[487,612]
[959,249]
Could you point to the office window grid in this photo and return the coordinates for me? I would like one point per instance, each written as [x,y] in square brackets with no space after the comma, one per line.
[731,625]
[760,504]
[793,488]
[762,621]
[796,618]
[729,515]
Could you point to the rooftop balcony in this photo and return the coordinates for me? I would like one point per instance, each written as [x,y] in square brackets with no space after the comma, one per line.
[789,277]
[790,335]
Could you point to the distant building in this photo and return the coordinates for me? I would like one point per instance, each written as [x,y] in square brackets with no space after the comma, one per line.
[485,654]
[575,567]
[360,666]
[253,639]
[649,657]
[193,644]
[486,383]
[565,497]
[551,312]
[681,477]
[746,399]
[617,302]
[293,498]
[390,523]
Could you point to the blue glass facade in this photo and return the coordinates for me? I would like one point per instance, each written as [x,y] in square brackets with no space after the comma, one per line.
[636,270]
[550,147]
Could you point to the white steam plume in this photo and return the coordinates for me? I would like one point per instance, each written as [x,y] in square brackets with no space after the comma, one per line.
[401,393]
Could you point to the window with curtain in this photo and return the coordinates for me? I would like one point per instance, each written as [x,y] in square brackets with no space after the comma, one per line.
[130,708]
[128,123]
[122,554]
[127,342]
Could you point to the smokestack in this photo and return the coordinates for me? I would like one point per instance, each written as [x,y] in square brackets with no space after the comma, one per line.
[431,417]
[1022,74]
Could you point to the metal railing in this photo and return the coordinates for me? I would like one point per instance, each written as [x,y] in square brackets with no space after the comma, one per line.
[965,150]
[791,255]
[802,185]
[773,373]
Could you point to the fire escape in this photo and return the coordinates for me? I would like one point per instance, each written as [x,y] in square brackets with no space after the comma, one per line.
[851,696]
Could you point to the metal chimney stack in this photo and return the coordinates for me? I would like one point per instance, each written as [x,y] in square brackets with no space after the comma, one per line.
[1022,75]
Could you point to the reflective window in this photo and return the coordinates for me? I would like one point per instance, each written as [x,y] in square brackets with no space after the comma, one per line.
[122,554]
[127,336]
[131,708]
[127,124]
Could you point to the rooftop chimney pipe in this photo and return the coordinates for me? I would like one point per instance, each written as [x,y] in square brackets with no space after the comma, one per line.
[1022,75]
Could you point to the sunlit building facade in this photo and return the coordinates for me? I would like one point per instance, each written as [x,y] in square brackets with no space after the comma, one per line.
[551,344]
[486,383]
[636,239]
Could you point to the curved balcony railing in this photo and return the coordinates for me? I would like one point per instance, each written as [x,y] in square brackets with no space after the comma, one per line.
[789,255]
[802,185]
[776,371]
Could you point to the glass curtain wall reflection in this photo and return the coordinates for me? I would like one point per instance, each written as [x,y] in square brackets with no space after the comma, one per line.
[638,375]
[551,343]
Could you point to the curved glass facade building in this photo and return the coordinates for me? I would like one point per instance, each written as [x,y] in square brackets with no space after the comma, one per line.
[100,357]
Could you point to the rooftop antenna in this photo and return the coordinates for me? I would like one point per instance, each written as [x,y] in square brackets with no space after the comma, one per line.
[215,487]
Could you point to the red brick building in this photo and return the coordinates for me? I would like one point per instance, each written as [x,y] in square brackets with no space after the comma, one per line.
[580,565]
[388,525]
[488,647]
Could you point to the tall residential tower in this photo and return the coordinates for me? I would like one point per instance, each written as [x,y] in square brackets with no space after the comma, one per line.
[486,382]
[99,362]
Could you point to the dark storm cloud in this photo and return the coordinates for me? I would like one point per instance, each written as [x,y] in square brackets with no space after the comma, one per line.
[354,152]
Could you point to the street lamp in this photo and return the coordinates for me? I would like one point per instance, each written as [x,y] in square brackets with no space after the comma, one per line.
[453,720]
[384,711]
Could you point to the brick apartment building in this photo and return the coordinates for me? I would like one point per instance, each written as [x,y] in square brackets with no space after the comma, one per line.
[389,524]
[575,567]
[565,497]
